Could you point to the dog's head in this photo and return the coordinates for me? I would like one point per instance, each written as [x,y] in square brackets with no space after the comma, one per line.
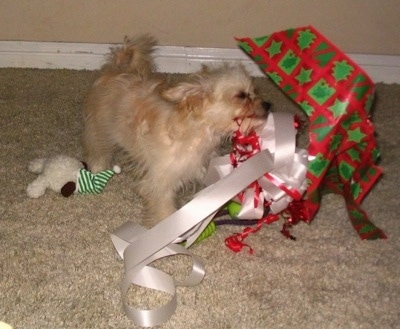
[223,98]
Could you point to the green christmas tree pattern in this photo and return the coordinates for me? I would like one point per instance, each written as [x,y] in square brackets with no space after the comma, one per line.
[342,70]
[305,39]
[344,150]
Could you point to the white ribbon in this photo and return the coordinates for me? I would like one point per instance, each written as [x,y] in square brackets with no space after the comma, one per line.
[278,135]
[139,247]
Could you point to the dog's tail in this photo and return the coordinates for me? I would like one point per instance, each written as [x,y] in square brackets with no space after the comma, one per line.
[134,56]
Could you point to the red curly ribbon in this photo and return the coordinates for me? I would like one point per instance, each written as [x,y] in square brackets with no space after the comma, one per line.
[296,212]
[275,189]
[244,146]
[293,214]
[235,242]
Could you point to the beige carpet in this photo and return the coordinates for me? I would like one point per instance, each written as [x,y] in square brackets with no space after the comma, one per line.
[58,267]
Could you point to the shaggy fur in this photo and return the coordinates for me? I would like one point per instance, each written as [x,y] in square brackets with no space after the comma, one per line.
[170,132]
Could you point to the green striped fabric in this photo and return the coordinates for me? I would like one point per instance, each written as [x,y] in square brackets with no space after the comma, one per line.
[90,183]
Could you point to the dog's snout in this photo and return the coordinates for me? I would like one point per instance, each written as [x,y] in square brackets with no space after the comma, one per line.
[266,106]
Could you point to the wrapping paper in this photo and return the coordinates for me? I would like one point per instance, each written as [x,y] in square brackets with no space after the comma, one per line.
[336,94]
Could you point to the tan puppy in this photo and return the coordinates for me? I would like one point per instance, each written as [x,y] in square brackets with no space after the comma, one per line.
[169,132]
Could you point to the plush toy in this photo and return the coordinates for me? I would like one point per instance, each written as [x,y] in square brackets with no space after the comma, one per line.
[66,175]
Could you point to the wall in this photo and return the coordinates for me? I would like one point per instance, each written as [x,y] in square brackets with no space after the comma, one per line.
[356,26]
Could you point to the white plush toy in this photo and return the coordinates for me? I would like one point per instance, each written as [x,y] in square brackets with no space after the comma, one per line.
[66,175]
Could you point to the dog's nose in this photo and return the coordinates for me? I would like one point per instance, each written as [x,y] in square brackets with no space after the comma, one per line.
[266,106]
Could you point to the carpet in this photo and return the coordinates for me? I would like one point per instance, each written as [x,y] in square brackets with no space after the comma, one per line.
[58,267]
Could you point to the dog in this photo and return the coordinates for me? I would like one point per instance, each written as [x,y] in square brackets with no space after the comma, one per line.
[169,131]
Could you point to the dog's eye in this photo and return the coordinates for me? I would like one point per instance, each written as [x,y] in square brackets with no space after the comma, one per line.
[243,95]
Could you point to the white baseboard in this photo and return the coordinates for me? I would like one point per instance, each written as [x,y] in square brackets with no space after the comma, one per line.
[84,56]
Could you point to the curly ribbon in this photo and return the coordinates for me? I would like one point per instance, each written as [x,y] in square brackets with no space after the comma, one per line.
[235,242]
[278,187]
[139,247]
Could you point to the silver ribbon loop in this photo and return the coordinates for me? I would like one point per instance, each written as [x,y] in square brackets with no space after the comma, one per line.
[139,247]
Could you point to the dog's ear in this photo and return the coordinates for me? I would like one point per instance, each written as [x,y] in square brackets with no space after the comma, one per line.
[183,90]
[189,96]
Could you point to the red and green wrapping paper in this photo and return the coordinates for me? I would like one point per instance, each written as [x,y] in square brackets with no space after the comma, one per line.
[336,94]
